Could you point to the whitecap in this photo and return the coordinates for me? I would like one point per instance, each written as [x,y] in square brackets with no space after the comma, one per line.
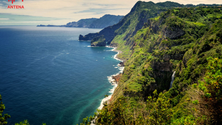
[111,80]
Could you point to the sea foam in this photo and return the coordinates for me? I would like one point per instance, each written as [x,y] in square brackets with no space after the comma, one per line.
[111,80]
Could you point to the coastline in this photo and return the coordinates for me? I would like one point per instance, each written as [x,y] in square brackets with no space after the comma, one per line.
[112,81]
[111,78]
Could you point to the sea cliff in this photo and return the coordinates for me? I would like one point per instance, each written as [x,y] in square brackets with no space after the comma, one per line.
[183,42]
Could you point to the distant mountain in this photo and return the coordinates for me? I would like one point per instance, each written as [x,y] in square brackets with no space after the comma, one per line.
[132,22]
[81,23]
[104,21]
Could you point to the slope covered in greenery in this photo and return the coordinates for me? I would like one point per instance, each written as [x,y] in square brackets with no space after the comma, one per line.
[132,22]
[185,40]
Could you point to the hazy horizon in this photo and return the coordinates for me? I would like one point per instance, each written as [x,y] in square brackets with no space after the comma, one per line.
[60,12]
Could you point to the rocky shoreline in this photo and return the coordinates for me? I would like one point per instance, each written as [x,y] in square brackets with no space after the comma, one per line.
[117,77]
[113,79]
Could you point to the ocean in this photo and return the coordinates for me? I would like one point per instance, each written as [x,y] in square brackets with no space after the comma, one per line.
[48,76]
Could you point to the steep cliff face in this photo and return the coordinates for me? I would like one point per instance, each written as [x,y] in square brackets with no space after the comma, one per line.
[98,41]
[173,33]
[108,33]
[130,24]
[179,40]
[105,21]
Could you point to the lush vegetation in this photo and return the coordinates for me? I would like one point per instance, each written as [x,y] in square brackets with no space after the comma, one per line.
[98,41]
[3,118]
[185,40]
[121,32]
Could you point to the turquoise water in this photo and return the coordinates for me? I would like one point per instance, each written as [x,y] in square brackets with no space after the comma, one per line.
[48,76]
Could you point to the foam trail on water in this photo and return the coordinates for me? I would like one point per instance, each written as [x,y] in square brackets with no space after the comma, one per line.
[56,57]
[37,60]
[111,80]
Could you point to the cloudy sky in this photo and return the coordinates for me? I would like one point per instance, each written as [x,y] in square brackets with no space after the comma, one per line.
[62,11]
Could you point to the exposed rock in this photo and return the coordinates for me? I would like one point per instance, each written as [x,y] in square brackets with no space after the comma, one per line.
[121,64]
[162,66]
[166,57]
[81,37]
[176,56]
[173,32]
[117,77]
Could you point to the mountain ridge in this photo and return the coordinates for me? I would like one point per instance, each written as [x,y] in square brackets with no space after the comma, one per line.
[101,22]
[181,42]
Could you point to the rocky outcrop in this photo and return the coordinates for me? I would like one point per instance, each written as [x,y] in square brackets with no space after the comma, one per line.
[173,32]
[162,66]
[89,36]
[108,33]
[98,41]
[121,64]
[117,77]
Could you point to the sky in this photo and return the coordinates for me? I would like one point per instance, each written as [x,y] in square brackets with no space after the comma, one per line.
[60,12]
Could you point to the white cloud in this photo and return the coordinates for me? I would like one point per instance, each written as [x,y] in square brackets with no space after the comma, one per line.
[4,18]
[69,8]
[74,10]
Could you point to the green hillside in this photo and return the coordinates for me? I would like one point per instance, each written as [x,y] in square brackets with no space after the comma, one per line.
[132,22]
[187,41]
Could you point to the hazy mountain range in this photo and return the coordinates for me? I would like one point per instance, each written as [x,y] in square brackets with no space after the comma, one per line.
[104,21]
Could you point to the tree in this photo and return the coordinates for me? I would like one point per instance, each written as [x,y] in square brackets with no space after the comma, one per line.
[3,119]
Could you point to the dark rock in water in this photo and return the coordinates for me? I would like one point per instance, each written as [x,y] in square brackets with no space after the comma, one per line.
[98,41]
[81,37]
[121,64]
